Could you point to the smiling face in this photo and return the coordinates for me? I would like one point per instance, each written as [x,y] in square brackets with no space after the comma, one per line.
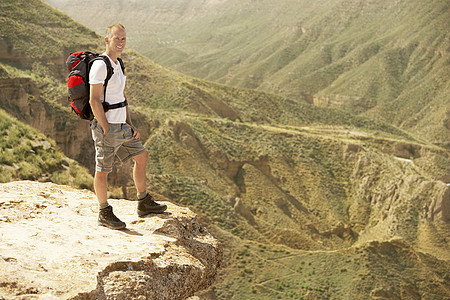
[115,42]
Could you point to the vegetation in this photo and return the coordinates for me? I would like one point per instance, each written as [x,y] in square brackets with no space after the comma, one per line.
[26,154]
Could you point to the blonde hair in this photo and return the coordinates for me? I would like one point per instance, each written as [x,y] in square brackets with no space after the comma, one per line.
[111,27]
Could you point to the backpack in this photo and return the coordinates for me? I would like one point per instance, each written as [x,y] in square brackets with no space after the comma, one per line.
[79,65]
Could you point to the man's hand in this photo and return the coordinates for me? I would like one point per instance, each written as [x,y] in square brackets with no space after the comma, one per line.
[105,127]
[135,132]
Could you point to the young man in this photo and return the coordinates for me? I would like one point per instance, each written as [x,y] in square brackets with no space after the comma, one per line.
[114,133]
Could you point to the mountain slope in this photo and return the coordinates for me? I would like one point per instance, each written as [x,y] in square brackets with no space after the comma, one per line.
[387,60]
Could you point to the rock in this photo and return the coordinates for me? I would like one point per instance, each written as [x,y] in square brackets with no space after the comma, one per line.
[244,211]
[52,247]
[439,206]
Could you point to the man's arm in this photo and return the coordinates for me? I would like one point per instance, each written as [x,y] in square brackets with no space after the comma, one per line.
[97,107]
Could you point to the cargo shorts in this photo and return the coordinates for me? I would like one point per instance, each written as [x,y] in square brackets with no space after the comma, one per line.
[115,146]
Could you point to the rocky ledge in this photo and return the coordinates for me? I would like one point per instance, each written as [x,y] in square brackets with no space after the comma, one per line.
[52,248]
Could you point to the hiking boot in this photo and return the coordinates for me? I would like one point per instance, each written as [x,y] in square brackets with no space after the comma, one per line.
[107,218]
[147,206]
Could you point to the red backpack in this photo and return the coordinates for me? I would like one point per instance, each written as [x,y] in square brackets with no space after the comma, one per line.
[79,65]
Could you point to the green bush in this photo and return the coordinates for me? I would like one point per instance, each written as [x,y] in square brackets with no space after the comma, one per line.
[6,175]
[28,171]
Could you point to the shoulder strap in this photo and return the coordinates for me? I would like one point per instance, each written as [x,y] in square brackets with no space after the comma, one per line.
[121,65]
[109,73]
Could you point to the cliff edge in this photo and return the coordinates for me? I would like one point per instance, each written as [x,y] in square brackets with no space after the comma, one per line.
[51,247]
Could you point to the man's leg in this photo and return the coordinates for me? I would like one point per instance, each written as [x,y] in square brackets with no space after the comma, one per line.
[140,163]
[101,187]
[146,205]
[104,159]
[106,216]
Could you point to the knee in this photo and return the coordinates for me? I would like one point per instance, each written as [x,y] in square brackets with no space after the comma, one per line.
[101,175]
[141,158]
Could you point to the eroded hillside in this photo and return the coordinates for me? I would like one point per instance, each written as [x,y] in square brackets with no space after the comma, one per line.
[336,202]
[307,188]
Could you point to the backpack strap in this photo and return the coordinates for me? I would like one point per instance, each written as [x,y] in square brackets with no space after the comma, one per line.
[109,73]
[121,65]
[107,106]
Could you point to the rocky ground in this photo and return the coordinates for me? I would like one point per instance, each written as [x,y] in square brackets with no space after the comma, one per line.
[51,247]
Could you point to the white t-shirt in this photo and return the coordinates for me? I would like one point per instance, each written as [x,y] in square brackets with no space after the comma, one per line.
[114,90]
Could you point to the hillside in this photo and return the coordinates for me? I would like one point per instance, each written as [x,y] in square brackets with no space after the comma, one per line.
[27,154]
[388,60]
[308,201]
[310,211]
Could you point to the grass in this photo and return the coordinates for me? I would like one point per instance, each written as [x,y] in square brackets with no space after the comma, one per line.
[26,154]
[345,274]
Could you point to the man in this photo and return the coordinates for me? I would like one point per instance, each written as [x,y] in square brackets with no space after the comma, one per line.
[114,133]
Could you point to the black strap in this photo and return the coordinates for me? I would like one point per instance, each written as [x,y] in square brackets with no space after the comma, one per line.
[109,74]
[121,65]
[107,106]
[109,71]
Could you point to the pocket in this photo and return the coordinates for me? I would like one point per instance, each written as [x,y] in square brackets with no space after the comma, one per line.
[104,152]
[112,129]
[77,86]
[99,128]
[128,131]
[97,132]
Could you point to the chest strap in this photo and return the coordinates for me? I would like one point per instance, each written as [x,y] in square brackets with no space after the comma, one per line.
[107,106]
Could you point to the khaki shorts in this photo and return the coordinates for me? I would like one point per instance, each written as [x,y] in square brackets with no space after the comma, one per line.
[117,144]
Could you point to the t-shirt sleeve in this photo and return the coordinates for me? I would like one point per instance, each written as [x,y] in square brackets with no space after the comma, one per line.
[97,74]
